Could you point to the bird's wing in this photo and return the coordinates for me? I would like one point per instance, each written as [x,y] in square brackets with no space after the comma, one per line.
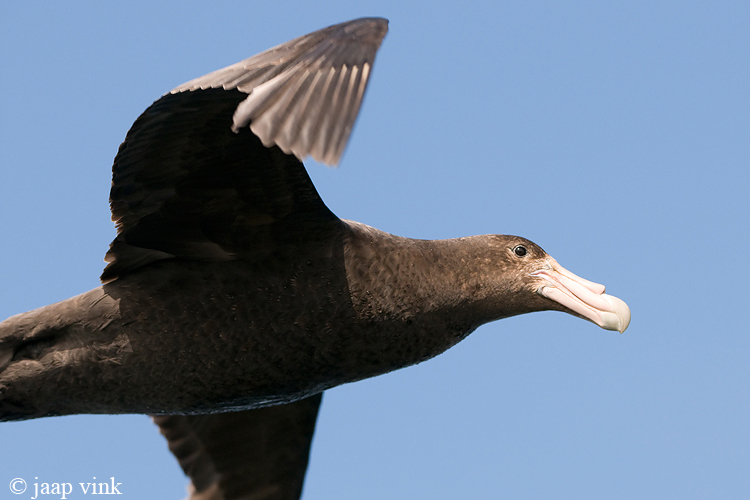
[249,454]
[192,181]
[304,94]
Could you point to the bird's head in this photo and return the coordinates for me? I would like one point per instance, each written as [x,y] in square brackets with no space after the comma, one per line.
[531,280]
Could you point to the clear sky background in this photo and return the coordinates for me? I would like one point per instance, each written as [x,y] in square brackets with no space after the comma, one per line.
[614,134]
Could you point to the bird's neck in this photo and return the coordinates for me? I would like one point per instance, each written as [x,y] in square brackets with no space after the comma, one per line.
[438,290]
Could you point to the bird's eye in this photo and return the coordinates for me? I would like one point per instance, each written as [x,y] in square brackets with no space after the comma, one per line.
[520,250]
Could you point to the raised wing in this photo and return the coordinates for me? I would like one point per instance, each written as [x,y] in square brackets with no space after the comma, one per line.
[244,455]
[304,94]
[191,181]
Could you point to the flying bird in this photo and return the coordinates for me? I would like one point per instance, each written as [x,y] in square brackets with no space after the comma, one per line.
[233,297]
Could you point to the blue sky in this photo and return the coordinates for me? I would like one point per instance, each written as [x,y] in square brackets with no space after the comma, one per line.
[614,134]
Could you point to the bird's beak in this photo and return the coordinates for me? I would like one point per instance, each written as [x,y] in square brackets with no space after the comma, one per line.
[583,297]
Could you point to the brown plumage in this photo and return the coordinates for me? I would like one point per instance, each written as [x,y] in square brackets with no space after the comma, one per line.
[233,297]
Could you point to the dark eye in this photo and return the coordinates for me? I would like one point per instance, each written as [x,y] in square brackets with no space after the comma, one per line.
[520,250]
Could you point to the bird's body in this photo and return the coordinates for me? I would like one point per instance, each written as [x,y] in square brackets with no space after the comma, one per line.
[233,297]
[195,337]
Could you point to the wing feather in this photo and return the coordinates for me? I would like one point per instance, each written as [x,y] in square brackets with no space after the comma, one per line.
[251,454]
[275,109]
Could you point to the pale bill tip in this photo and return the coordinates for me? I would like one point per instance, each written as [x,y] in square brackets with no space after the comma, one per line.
[618,318]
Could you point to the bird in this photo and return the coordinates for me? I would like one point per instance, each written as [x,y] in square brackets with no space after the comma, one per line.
[232,297]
